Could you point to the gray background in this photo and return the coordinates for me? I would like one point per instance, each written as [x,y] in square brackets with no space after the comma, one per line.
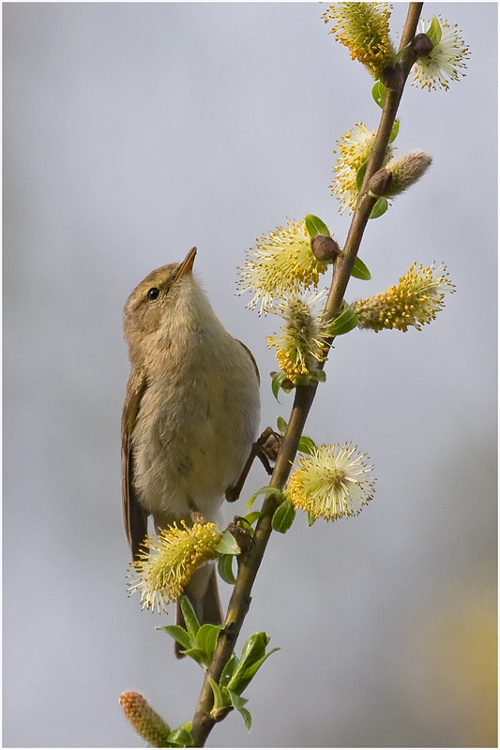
[132,132]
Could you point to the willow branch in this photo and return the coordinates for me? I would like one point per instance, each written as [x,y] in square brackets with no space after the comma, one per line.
[365,202]
[249,562]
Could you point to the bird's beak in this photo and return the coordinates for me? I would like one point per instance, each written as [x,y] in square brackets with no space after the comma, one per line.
[187,264]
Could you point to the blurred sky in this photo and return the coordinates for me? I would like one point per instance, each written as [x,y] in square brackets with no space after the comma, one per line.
[131,133]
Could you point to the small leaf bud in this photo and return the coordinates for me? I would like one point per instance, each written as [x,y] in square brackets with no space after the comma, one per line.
[392,77]
[422,45]
[380,182]
[284,383]
[220,713]
[324,248]
[241,535]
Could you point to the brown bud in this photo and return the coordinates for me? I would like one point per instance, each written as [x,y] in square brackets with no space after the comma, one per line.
[324,248]
[221,713]
[392,77]
[422,45]
[286,383]
[241,534]
[380,182]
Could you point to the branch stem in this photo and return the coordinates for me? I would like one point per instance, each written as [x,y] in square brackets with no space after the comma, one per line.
[249,562]
[365,202]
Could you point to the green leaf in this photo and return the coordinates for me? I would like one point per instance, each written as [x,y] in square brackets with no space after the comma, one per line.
[192,622]
[283,517]
[319,375]
[253,649]
[178,634]
[250,518]
[315,226]
[246,717]
[206,640]
[277,383]
[360,176]
[228,545]
[180,737]
[306,445]
[268,490]
[380,207]
[253,657]
[378,94]
[225,568]
[307,379]
[434,31]
[238,703]
[219,697]
[344,323]
[255,667]
[228,670]
[394,131]
[282,425]
[360,271]
[310,519]
[198,655]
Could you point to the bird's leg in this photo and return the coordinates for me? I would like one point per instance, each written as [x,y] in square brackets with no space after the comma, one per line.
[265,447]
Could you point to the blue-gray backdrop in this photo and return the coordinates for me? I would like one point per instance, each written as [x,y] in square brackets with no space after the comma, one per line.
[131,133]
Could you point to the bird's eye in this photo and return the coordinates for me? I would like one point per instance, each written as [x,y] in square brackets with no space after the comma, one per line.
[153,293]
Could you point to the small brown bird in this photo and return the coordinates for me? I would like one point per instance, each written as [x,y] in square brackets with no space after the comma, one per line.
[190,416]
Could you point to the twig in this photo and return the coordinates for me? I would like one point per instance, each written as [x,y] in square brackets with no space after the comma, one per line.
[344,264]
[249,564]
[304,396]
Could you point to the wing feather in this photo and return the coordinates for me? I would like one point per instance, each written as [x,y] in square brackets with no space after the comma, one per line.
[135,516]
[252,359]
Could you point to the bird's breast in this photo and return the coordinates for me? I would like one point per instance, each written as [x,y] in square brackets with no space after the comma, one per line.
[194,430]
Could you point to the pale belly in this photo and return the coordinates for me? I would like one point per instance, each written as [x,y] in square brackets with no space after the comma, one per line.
[191,442]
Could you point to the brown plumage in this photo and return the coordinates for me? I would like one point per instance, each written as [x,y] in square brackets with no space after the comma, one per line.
[190,415]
